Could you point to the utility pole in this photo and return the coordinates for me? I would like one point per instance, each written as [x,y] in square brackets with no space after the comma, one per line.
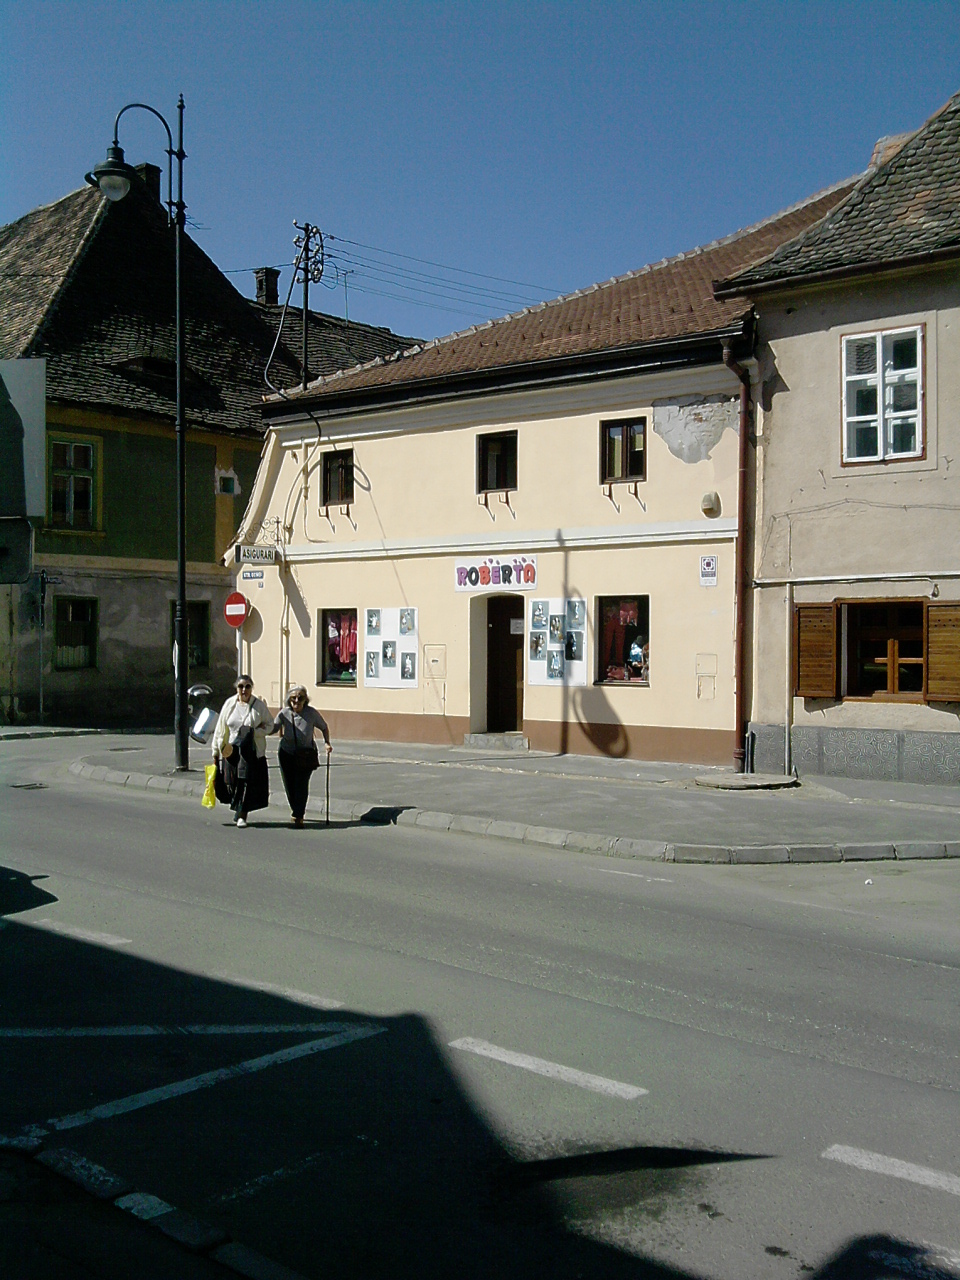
[310,262]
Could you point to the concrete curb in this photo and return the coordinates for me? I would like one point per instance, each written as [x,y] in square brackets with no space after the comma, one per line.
[191,1232]
[553,837]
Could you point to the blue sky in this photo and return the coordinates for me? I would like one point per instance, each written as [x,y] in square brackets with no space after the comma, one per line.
[552,145]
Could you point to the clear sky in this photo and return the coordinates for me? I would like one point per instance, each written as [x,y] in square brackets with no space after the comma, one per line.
[553,145]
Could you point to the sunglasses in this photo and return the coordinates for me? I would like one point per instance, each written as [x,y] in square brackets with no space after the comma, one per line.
[244,686]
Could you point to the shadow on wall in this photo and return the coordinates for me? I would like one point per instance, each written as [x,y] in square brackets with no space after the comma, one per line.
[599,723]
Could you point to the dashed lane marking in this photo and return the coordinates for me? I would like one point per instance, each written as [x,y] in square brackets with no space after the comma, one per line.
[149,1097]
[82,935]
[873,1162]
[553,1070]
[273,989]
[636,875]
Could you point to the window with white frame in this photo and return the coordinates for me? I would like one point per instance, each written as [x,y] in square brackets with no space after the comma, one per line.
[883,395]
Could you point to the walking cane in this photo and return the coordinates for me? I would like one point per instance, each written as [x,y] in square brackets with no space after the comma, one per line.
[328,789]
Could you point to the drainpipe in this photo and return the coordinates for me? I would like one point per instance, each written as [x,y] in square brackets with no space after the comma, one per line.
[740,589]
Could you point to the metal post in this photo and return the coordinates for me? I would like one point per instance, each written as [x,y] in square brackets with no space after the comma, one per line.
[181,727]
[42,621]
[307,229]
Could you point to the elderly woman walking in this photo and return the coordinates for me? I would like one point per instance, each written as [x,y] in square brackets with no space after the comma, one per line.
[240,749]
[298,756]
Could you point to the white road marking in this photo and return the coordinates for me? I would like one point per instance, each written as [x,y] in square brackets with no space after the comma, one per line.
[83,935]
[150,1096]
[872,1162]
[197,1029]
[289,993]
[554,1070]
[637,875]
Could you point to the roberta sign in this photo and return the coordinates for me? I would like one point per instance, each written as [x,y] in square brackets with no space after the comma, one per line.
[497,573]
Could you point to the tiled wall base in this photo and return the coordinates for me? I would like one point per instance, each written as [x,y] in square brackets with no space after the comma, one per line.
[889,755]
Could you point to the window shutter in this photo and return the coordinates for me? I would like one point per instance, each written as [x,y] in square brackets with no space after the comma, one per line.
[815,650]
[943,653]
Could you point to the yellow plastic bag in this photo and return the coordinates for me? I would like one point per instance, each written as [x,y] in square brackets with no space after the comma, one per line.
[209,796]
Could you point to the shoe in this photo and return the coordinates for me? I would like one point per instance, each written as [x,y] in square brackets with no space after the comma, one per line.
[241,822]
[298,822]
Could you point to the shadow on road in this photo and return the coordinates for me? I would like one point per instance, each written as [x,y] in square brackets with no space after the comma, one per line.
[333,1142]
[19,892]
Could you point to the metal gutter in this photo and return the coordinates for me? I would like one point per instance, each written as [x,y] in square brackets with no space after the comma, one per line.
[564,371]
[880,265]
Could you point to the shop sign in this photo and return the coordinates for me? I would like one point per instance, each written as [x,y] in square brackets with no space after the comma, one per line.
[708,571]
[497,573]
[256,555]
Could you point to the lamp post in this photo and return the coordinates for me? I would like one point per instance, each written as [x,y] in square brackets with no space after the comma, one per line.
[113,177]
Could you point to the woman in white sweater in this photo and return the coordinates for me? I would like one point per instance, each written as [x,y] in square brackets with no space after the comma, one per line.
[239,746]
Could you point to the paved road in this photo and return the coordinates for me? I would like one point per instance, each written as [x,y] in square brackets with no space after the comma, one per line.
[371,1051]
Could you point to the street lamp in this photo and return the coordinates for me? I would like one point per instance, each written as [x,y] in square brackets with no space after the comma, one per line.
[113,177]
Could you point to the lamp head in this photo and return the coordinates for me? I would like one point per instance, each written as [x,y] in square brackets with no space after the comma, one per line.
[113,175]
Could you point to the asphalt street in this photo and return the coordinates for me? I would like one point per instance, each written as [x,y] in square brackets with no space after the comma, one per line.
[370,1050]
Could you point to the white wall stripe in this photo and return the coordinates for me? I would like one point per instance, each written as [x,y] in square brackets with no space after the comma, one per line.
[873,1162]
[554,1070]
[150,1096]
[197,1029]
[84,935]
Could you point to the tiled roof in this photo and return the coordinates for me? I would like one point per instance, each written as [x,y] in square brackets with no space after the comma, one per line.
[332,343]
[670,300]
[907,208]
[90,286]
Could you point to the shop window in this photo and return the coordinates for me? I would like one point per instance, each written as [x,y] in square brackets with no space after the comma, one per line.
[338,478]
[623,625]
[882,396]
[198,632]
[497,462]
[623,450]
[906,650]
[72,473]
[76,633]
[338,647]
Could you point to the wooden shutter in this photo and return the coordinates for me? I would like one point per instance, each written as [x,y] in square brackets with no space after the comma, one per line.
[815,634]
[943,653]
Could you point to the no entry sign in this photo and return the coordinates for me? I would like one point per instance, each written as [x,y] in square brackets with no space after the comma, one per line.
[235,609]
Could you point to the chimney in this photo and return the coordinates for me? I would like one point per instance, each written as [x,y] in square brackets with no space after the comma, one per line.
[150,175]
[267,278]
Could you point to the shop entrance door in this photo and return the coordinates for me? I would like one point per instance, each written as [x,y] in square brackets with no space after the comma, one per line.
[504,664]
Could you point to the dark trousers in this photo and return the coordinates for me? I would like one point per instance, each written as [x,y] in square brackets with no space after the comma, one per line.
[296,782]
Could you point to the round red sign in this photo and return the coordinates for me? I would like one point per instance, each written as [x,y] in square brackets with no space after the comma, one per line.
[235,609]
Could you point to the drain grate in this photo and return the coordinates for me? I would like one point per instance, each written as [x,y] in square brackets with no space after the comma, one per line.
[29,786]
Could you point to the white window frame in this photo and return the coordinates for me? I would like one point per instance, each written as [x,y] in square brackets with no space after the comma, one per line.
[885,379]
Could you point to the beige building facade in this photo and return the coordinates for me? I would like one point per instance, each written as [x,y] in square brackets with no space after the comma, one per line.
[854,662]
[485,552]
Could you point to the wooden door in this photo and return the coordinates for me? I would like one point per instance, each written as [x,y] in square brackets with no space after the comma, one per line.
[504,664]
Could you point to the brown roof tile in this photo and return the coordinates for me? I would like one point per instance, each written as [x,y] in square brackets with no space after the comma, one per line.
[669,300]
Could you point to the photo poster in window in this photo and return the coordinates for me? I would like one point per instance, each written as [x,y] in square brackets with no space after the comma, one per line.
[391,642]
[557,642]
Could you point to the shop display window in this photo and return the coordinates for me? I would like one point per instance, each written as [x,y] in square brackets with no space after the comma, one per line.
[338,647]
[623,625]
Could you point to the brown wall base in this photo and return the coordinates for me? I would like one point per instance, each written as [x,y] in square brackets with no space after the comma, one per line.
[632,742]
[619,741]
[373,726]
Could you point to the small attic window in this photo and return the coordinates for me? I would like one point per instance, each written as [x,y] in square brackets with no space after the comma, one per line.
[159,374]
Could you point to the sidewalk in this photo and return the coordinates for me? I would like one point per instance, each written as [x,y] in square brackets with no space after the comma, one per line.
[621,808]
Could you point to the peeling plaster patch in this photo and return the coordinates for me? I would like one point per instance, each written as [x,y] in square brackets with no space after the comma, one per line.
[691,426]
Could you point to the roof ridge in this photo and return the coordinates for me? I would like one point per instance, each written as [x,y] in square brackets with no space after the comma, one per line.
[875,175]
[71,267]
[417,349]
